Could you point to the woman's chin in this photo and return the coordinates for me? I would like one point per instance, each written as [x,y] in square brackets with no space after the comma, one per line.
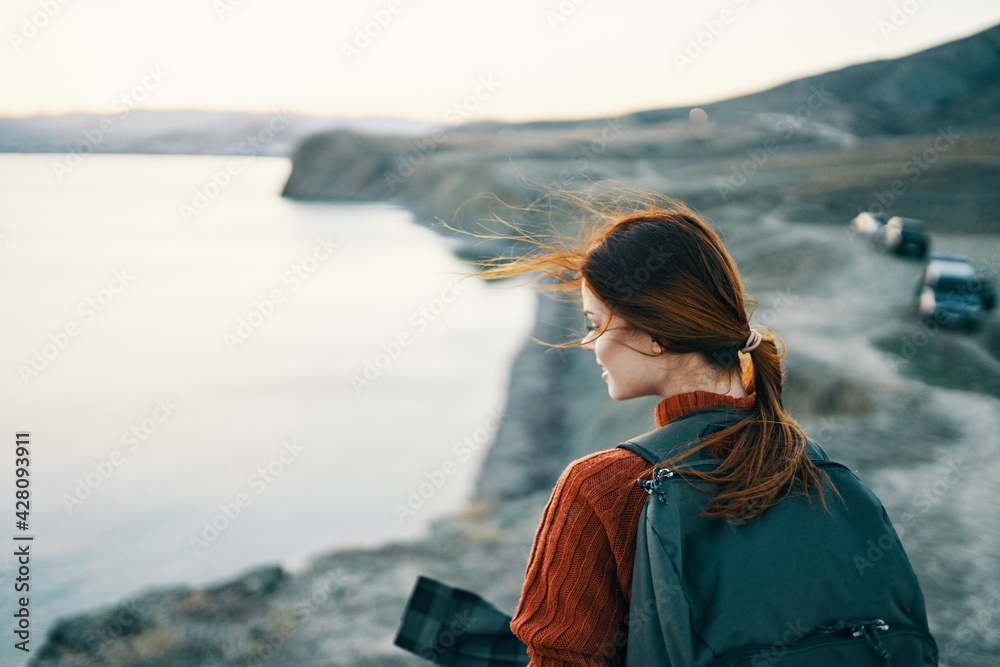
[619,394]
[616,395]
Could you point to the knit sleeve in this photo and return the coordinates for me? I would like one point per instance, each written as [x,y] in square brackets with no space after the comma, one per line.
[573,606]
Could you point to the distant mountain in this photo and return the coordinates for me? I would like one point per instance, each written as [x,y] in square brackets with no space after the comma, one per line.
[183,132]
[957,83]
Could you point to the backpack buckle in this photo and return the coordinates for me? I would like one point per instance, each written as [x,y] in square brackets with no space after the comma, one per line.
[660,475]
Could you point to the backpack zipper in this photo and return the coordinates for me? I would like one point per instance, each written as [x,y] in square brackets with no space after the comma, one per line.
[869,629]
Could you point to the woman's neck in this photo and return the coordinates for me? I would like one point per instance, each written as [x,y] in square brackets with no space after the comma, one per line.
[726,383]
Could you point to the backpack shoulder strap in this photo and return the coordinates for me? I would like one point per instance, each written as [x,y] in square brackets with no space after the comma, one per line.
[680,434]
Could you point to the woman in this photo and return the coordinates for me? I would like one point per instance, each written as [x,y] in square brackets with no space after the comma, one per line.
[667,318]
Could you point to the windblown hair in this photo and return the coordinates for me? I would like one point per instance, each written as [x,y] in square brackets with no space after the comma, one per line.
[663,271]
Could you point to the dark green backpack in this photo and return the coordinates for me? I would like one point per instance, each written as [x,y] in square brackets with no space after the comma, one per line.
[797,585]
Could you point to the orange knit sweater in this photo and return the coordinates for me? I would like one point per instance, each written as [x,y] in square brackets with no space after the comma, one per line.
[579,577]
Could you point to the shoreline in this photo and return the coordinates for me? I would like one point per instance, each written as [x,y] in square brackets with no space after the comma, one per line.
[77,582]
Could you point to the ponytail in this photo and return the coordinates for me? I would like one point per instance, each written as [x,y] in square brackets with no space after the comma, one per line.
[765,454]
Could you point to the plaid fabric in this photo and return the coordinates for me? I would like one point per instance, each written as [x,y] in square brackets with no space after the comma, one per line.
[450,626]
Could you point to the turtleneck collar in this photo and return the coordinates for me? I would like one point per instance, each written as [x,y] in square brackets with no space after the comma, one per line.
[679,404]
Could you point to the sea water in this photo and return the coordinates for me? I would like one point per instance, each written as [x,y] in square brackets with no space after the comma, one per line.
[214,377]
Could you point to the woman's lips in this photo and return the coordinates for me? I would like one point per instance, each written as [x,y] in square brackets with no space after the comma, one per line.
[604,375]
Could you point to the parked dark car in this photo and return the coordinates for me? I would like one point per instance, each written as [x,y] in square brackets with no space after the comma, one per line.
[951,293]
[906,236]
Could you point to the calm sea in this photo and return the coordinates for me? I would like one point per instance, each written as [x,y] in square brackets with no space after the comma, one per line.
[214,377]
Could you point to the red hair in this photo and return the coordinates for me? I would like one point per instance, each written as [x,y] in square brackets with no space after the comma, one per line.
[665,272]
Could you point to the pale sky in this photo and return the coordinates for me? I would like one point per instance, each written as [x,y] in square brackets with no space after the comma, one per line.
[510,60]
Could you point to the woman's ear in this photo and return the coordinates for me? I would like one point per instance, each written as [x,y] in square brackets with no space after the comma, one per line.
[650,346]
